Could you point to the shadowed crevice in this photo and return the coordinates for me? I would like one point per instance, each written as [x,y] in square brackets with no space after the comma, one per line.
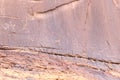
[43,49]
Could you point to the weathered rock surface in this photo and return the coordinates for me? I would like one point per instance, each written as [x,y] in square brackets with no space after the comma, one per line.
[60,39]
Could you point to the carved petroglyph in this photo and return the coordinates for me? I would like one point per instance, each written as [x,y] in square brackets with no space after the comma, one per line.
[117,3]
[9,26]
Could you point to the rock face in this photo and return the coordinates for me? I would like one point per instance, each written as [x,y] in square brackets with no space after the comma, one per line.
[82,35]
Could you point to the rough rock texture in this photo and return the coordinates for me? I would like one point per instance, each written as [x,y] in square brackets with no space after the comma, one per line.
[59,39]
